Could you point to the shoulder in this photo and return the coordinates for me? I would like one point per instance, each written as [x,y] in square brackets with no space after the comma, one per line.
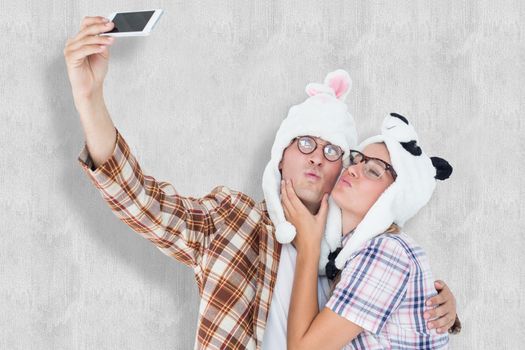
[384,249]
[393,243]
[233,204]
[237,198]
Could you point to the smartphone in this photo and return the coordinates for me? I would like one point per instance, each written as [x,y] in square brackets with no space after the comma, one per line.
[133,23]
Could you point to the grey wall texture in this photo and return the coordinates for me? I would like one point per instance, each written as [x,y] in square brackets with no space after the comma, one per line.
[199,102]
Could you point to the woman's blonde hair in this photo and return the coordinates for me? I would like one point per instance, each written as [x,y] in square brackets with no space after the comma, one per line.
[393,229]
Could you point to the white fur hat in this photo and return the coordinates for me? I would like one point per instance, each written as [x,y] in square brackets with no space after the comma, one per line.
[324,114]
[411,191]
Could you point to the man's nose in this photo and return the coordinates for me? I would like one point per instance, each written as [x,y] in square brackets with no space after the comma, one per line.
[317,157]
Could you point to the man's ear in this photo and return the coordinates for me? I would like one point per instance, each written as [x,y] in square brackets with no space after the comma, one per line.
[281,161]
[282,157]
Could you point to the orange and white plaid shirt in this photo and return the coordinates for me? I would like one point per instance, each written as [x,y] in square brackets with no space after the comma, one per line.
[225,237]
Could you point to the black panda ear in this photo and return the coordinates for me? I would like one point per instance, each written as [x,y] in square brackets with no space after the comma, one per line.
[400,117]
[443,168]
[412,148]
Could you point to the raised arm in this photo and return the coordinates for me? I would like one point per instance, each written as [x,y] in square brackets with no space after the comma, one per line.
[181,227]
[87,58]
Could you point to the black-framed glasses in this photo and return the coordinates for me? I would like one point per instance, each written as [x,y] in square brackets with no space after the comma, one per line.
[307,145]
[374,168]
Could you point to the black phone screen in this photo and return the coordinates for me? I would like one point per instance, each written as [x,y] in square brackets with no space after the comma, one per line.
[131,21]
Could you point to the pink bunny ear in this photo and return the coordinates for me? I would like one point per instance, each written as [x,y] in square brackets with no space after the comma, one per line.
[313,89]
[340,82]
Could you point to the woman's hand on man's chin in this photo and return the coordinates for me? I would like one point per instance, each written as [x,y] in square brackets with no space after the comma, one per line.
[309,227]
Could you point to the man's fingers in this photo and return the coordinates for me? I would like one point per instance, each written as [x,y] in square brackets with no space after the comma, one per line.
[442,324]
[86,51]
[91,40]
[437,299]
[89,20]
[95,29]
[456,326]
[444,314]
[442,319]
[443,309]
[439,285]
[445,327]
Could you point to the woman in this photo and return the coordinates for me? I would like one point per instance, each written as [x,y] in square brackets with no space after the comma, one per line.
[378,301]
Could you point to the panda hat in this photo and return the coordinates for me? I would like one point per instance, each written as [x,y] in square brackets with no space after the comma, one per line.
[412,189]
[323,114]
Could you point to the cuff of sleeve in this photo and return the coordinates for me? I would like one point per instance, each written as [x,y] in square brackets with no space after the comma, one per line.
[110,168]
[357,319]
[456,327]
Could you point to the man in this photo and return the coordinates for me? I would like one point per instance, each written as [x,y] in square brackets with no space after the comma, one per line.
[225,237]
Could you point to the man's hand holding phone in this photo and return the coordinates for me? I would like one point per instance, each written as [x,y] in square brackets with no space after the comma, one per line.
[87,54]
[87,58]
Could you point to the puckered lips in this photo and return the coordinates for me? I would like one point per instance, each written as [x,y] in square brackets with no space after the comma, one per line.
[345,181]
[312,175]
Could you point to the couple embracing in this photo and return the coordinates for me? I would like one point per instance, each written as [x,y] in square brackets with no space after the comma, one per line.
[322,263]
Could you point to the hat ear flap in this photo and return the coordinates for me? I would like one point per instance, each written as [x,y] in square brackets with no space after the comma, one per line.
[443,168]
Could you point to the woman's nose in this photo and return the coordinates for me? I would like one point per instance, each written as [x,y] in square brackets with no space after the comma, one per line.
[353,170]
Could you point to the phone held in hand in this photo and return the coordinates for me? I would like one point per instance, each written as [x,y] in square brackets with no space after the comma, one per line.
[133,23]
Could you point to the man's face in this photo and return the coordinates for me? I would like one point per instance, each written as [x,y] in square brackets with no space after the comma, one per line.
[312,174]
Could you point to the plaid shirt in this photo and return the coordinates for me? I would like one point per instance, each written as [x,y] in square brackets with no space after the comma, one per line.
[225,237]
[383,289]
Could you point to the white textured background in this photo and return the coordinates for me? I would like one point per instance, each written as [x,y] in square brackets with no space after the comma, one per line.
[199,102]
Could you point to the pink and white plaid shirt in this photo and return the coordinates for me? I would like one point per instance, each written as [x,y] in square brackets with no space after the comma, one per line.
[383,289]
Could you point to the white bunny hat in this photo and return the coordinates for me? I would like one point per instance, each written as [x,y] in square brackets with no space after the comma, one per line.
[323,114]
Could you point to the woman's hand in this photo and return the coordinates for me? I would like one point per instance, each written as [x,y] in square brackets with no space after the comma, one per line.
[310,227]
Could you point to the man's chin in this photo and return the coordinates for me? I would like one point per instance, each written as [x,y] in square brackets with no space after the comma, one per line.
[309,198]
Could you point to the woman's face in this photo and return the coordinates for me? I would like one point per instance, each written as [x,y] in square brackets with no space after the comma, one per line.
[355,193]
